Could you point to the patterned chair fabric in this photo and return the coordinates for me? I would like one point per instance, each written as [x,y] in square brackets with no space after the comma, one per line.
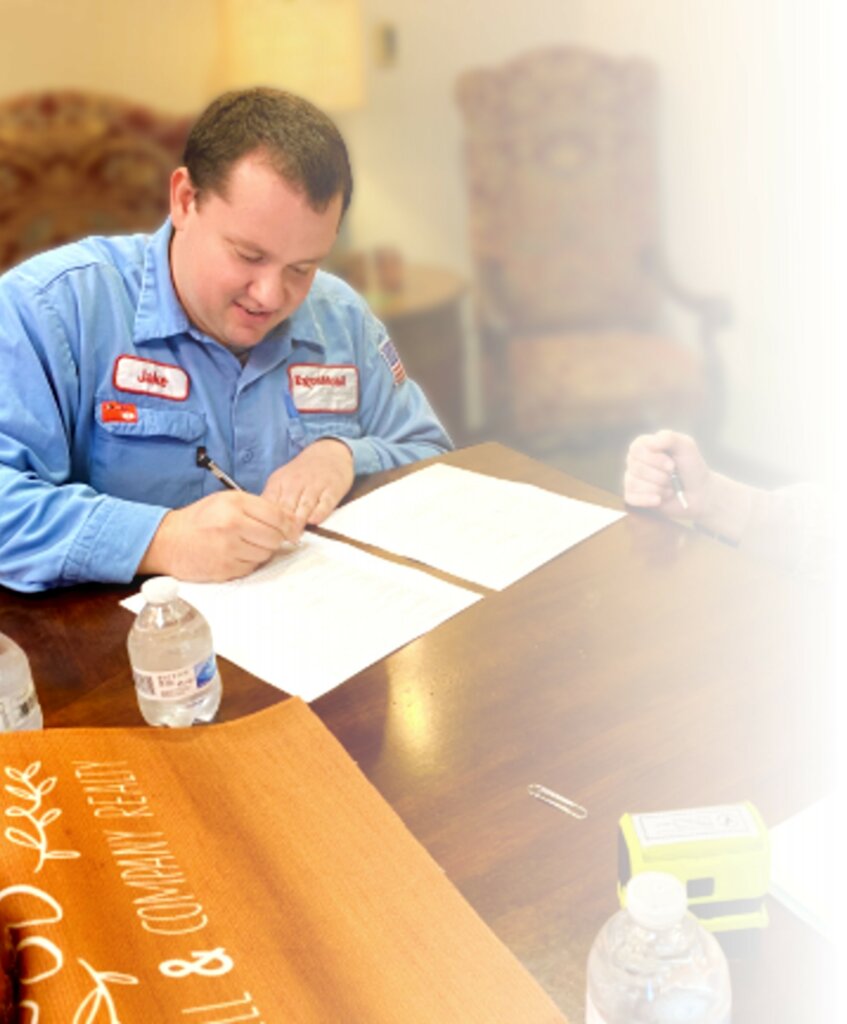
[74,164]
[561,159]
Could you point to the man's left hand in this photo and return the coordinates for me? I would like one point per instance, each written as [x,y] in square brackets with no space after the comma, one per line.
[313,483]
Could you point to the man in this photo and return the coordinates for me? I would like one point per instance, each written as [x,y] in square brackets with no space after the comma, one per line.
[790,526]
[121,357]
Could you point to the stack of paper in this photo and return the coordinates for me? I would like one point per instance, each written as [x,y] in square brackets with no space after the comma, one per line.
[477,527]
[316,616]
[319,614]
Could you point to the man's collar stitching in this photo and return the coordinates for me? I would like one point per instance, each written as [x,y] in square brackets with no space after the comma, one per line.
[159,313]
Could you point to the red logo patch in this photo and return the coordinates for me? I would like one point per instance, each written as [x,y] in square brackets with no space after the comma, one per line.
[119,412]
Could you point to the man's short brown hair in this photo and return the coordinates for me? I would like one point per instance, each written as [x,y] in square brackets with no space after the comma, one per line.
[301,143]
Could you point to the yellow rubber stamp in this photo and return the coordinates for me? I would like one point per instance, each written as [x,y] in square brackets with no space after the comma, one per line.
[721,854]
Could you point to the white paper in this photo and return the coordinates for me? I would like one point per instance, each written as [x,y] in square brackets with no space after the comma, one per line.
[807,865]
[316,616]
[473,526]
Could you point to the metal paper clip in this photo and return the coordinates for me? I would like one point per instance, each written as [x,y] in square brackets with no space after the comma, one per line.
[561,803]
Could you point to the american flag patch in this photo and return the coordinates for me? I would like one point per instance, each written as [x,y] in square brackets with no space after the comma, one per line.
[392,357]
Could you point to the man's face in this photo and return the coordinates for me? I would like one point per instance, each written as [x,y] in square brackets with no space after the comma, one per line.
[243,262]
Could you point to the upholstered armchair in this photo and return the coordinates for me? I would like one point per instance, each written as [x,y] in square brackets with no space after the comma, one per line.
[74,164]
[571,284]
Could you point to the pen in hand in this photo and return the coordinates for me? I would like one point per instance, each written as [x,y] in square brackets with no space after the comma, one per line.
[207,462]
[676,483]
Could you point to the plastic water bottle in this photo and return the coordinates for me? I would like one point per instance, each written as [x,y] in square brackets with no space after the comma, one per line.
[19,707]
[173,661]
[654,963]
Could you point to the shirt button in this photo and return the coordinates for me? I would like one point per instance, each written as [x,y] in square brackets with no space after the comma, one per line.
[247,455]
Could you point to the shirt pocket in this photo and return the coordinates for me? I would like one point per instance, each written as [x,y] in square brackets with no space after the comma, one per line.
[151,459]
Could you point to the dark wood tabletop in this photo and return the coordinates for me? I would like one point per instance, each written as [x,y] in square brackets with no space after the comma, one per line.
[648,668]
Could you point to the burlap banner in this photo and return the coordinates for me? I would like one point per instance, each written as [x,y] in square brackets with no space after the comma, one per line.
[240,872]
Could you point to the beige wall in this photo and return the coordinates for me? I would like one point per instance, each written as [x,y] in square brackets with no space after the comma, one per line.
[94,44]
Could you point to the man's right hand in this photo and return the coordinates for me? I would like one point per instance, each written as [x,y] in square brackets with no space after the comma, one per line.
[221,537]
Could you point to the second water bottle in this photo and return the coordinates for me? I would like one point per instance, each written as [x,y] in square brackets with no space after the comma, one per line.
[173,660]
[654,963]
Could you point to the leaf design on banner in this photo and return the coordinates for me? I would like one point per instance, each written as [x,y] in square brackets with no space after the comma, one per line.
[100,998]
[33,794]
[28,1004]
[21,838]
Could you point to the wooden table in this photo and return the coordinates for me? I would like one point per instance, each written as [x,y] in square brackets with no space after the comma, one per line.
[648,668]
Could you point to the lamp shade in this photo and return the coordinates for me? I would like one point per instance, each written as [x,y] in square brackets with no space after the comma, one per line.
[310,47]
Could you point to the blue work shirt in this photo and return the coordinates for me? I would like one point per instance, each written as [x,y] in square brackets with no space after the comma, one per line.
[107,390]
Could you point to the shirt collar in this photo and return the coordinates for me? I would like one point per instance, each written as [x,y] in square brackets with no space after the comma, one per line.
[303,326]
[160,313]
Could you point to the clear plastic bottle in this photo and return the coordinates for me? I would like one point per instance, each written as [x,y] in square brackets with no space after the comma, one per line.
[654,963]
[19,707]
[173,660]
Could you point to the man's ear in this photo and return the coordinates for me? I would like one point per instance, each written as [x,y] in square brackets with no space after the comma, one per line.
[183,196]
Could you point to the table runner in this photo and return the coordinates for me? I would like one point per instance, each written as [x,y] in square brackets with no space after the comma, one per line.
[241,871]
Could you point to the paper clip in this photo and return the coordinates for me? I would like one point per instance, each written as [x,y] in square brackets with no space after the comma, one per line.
[561,803]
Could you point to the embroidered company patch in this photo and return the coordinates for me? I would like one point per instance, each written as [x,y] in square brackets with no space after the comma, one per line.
[118,412]
[390,354]
[316,388]
[147,377]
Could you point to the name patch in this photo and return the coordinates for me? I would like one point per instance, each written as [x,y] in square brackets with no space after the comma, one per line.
[317,388]
[147,377]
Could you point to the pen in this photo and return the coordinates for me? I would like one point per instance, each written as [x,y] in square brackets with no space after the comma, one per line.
[207,462]
[676,483]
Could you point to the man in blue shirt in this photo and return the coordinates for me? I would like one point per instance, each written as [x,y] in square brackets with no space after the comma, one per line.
[121,357]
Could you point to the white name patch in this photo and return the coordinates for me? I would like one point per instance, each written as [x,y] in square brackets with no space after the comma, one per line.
[147,377]
[317,388]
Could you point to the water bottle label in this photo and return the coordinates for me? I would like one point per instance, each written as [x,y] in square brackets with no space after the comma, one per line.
[13,710]
[205,671]
[176,684]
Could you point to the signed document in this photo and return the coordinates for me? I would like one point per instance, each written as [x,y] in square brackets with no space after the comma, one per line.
[246,871]
[318,614]
[477,527]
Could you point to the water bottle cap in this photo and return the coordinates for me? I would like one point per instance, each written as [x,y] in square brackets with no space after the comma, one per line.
[160,589]
[656,900]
